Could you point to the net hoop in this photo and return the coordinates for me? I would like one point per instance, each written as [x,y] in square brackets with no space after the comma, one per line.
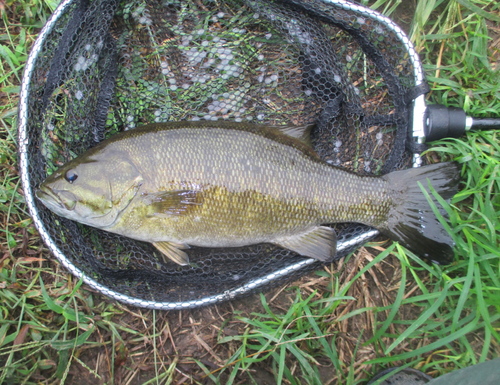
[24,140]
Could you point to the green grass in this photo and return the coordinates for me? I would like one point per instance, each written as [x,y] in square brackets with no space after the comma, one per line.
[459,305]
[430,317]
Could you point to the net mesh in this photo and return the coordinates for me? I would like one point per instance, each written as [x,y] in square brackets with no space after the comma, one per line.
[109,66]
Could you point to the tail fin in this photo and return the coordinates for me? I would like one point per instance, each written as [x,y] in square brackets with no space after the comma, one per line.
[411,220]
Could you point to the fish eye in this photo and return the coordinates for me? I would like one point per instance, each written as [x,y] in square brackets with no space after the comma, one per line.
[70,176]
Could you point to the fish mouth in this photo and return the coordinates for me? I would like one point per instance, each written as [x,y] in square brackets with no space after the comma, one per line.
[46,195]
[61,199]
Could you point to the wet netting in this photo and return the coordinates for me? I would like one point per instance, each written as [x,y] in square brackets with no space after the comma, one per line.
[104,66]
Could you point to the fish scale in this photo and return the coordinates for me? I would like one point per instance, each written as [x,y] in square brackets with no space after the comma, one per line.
[278,185]
[223,184]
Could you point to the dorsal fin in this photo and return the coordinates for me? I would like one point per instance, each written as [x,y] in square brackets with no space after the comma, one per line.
[302,133]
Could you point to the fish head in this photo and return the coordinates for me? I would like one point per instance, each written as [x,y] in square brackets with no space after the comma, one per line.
[91,190]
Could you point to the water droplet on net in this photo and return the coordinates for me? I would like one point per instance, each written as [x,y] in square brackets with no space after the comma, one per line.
[208,63]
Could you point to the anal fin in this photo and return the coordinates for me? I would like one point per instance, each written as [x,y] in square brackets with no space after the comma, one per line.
[173,251]
[319,243]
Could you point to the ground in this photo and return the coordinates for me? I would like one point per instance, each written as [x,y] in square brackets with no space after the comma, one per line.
[190,335]
[182,337]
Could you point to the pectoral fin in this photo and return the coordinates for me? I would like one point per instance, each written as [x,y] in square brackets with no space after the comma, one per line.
[173,251]
[176,202]
[319,243]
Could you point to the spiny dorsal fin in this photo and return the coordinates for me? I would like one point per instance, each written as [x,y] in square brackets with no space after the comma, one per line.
[173,251]
[319,243]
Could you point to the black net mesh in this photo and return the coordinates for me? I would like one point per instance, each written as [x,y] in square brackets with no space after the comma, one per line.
[109,66]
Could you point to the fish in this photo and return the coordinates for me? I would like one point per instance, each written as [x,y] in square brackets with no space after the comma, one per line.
[229,184]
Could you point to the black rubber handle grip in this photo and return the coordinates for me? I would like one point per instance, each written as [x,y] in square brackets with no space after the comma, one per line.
[443,122]
[485,124]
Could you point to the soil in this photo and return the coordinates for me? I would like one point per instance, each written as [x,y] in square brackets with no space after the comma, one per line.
[494,34]
[191,335]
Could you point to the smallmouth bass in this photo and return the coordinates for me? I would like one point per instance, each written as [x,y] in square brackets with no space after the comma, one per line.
[225,184]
